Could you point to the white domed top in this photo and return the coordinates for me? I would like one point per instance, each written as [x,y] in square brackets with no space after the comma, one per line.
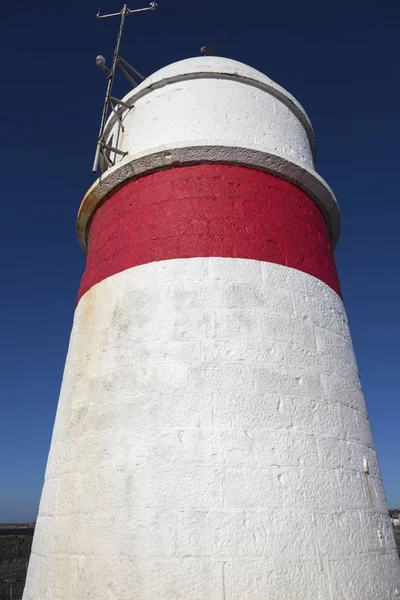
[217,67]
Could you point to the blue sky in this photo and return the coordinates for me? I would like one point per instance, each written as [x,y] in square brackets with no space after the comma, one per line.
[340,60]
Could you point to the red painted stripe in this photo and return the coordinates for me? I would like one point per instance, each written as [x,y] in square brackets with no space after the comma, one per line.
[209,210]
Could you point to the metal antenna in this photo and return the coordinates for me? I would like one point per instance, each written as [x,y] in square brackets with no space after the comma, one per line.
[100,61]
[210,49]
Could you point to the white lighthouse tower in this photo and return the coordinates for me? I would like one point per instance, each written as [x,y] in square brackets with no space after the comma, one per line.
[211,440]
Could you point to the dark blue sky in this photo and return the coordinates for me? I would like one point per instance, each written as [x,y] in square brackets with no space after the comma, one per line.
[340,60]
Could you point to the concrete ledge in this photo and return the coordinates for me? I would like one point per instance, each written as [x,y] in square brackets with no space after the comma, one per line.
[134,167]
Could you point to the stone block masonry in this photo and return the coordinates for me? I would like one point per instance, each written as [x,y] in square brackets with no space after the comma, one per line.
[15,550]
[228,461]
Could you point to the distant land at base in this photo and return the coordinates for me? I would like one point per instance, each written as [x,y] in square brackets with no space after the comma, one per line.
[17,528]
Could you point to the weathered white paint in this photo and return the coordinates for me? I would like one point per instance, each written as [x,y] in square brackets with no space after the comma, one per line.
[186,86]
[210,442]
[210,109]
[212,112]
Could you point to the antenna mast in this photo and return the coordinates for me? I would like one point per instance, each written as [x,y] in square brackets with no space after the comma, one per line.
[100,61]
[210,49]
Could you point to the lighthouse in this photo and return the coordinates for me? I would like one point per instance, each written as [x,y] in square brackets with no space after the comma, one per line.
[211,440]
